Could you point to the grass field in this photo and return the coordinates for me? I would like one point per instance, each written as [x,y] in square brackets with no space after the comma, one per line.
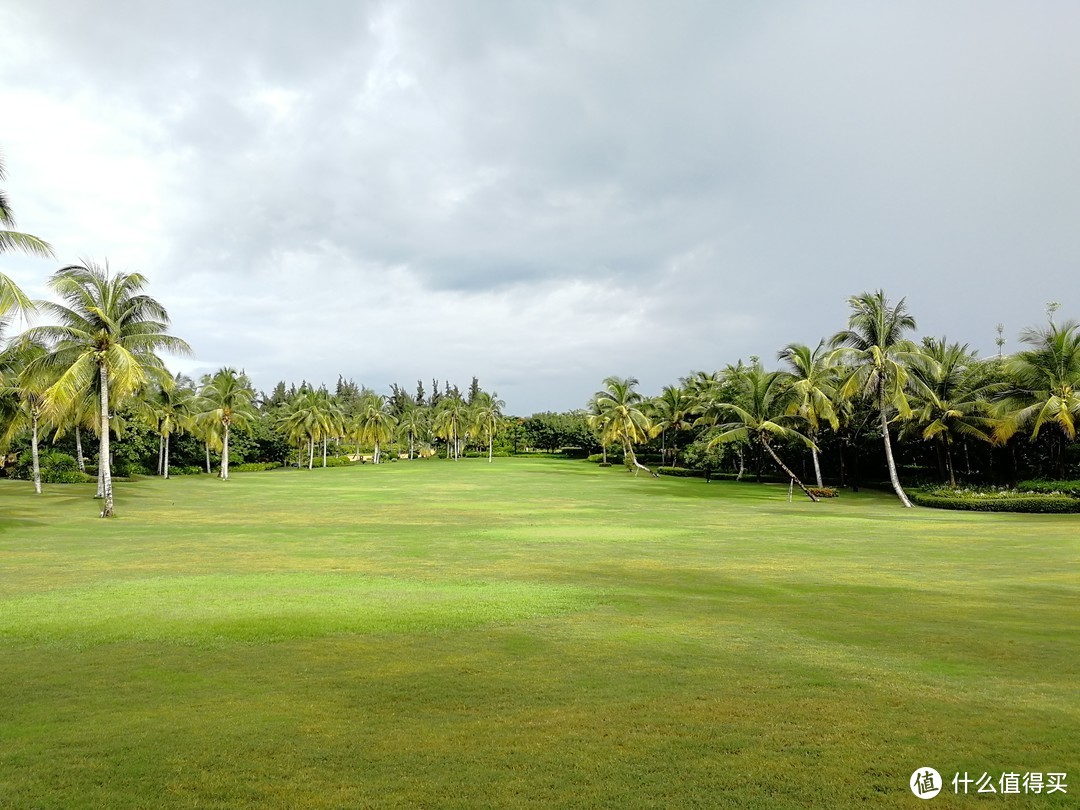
[526,633]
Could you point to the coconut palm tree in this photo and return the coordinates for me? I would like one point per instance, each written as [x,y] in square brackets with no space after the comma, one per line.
[760,414]
[875,348]
[601,424]
[168,408]
[106,337]
[451,418]
[671,411]
[1045,391]
[622,406]
[227,399]
[948,401]
[813,387]
[487,411]
[24,399]
[374,423]
[11,297]
[414,425]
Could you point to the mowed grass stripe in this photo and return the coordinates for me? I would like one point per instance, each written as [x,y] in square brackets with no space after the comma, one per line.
[676,643]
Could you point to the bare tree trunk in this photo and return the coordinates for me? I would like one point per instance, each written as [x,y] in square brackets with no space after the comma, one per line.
[603,449]
[817,466]
[166,455]
[893,477]
[790,474]
[206,444]
[311,453]
[34,452]
[160,452]
[78,450]
[324,452]
[103,452]
[376,456]
[491,443]
[225,452]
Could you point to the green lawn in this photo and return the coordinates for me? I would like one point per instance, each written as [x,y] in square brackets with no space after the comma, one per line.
[526,633]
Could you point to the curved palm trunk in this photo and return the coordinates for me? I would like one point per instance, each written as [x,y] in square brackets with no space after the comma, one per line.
[78,450]
[817,466]
[225,451]
[311,453]
[628,452]
[166,460]
[34,452]
[103,452]
[893,477]
[790,474]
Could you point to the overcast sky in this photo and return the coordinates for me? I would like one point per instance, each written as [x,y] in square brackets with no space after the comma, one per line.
[546,193]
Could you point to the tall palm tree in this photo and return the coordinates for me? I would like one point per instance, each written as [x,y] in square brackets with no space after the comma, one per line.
[227,399]
[949,402]
[877,351]
[451,418]
[107,334]
[813,387]
[298,419]
[671,411]
[168,408]
[601,424]
[374,422]
[487,411]
[414,425]
[622,406]
[760,414]
[24,399]
[1045,391]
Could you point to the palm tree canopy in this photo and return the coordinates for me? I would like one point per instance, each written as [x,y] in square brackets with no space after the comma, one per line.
[1046,383]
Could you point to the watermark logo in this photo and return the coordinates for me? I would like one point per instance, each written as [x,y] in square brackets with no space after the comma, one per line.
[925,783]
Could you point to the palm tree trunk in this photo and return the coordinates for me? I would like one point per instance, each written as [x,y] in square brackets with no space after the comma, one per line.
[34,453]
[324,452]
[491,442]
[225,453]
[817,466]
[166,467]
[603,449]
[207,445]
[790,474]
[103,452]
[893,477]
[376,457]
[311,453]
[949,466]
[78,450]
[160,452]
[742,465]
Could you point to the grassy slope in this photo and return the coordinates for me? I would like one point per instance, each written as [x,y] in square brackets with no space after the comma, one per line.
[525,633]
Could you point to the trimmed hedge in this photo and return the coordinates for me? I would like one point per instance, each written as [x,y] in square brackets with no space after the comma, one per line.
[823,492]
[252,466]
[1051,487]
[997,502]
[681,472]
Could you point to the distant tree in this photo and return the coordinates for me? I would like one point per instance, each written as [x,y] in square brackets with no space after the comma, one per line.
[621,405]
[227,399]
[487,411]
[812,378]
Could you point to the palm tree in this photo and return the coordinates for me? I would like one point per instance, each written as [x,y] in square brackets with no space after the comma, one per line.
[374,422]
[1046,386]
[107,334]
[875,347]
[949,402]
[25,399]
[621,405]
[760,414]
[671,411]
[813,386]
[487,411]
[227,399]
[451,417]
[169,408]
[601,424]
[11,297]
[414,424]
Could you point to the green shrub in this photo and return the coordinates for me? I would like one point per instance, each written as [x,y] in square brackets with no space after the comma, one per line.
[1051,487]
[595,458]
[605,464]
[67,477]
[823,492]
[56,468]
[994,501]
[681,472]
[254,466]
[185,470]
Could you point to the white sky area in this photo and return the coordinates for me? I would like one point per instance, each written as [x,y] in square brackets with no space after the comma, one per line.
[546,193]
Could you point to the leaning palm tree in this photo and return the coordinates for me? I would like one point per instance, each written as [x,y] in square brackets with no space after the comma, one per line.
[1045,391]
[622,406]
[487,411]
[107,335]
[875,348]
[760,415]
[813,388]
[227,400]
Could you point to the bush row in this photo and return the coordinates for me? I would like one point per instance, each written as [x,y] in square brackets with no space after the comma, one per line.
[996,502]
[1051,487]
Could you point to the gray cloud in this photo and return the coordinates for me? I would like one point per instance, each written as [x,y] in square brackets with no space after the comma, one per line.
[543,194]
